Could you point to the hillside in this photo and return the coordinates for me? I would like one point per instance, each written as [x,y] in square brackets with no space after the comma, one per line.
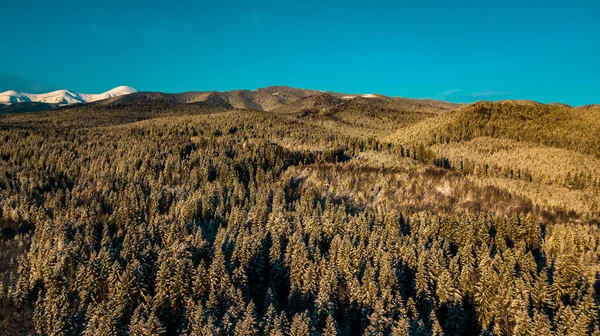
[316,102]
[26,107]
[551,125]
[284,211]
[264,99]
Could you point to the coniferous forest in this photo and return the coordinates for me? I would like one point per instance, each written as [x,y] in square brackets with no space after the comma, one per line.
[363,216]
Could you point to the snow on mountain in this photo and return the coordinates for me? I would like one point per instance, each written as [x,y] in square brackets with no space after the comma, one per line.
[62,97]
[369,95]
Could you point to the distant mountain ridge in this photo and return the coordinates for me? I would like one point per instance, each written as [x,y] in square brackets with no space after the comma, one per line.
[61,97]
[277,99]
[263,99]
[273,98]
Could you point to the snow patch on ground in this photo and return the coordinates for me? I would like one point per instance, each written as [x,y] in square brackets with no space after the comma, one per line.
[370,95]
[445,190]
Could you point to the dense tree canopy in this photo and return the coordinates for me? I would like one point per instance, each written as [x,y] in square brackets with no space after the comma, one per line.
[230,222]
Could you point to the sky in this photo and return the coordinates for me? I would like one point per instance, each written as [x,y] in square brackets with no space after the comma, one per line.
[453,50]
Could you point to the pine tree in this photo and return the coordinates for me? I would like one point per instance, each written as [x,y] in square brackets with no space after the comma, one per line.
[331,327]
[401,327]
[541,325]
[301,325]
[275,325]
[436,328]
[567,322]
[144,323]
[247,325]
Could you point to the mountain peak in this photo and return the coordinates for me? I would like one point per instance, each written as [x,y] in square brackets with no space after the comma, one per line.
[122,90]
[61,97]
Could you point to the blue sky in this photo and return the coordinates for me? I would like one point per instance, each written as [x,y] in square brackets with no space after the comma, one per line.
[455,50]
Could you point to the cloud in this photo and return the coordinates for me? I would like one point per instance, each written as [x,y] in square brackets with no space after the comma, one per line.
[489,94]
[151,31]
[9,81]
[258,16]
[103,31]
[447,94]
[451,92]
[163,28]
[461,95]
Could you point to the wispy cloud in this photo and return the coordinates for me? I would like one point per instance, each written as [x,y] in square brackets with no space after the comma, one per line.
[451,92]
[163,28]
[462,95]
[105,32]
[258,16]
[489,94]
[447,94]
[9,81]
[151,31]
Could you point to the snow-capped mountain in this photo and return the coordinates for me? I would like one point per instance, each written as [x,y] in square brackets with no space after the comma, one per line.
[61,97]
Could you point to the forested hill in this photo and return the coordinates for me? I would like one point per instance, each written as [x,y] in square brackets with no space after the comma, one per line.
[312,214]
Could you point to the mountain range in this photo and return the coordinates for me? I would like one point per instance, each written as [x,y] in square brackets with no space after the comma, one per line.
[61,97]
[273,98]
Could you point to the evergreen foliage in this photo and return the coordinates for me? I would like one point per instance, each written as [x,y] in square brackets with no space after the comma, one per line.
[218,222]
